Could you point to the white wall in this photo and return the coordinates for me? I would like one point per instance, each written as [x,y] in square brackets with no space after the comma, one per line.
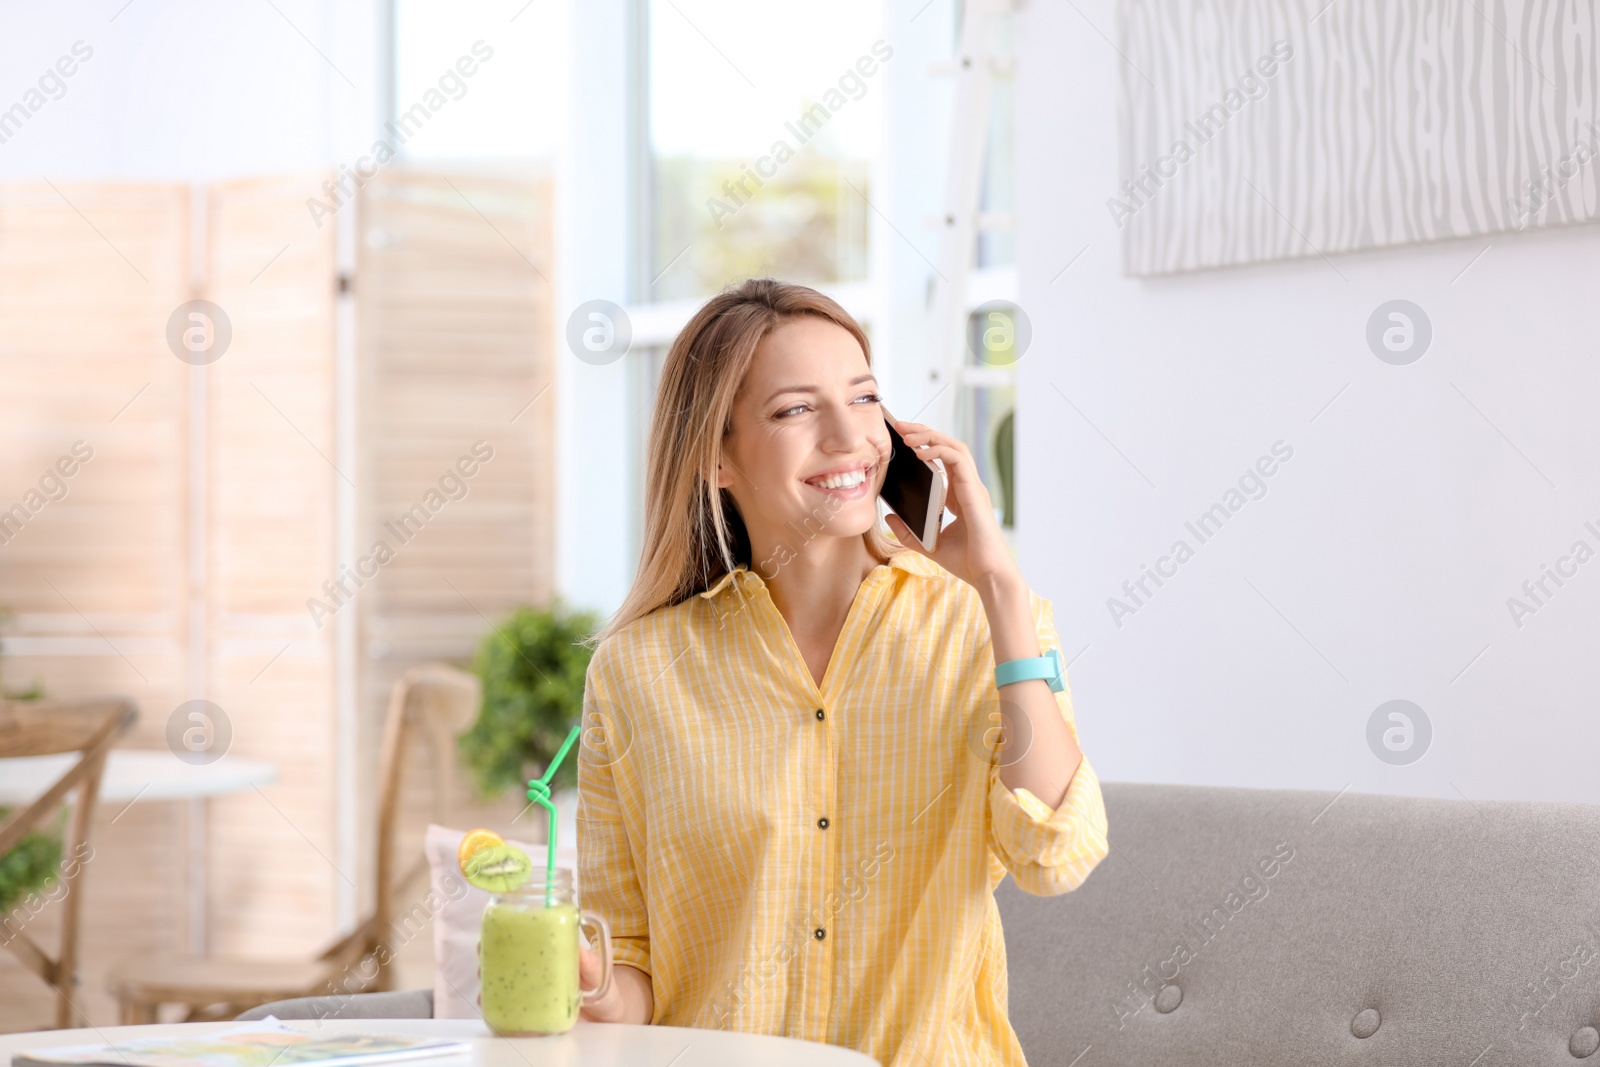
[1379,563]
[192,92]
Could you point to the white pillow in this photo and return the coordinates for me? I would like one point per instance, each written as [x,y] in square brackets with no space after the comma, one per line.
[455,924]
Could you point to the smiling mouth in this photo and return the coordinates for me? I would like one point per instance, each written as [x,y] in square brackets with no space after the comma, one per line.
[843,482]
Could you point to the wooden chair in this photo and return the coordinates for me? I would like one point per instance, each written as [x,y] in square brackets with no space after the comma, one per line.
[441,702]
[50,728]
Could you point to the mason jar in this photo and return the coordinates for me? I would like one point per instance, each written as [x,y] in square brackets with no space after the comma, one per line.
[528,956]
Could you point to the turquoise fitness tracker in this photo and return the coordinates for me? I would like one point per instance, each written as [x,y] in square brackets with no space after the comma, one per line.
[1047,666]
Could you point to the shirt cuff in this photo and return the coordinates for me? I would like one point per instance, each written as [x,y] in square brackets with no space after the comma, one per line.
[632,951]
[1050,851]
[1032,806]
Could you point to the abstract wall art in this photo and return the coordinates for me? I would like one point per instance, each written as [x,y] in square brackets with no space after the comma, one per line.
[1257,130]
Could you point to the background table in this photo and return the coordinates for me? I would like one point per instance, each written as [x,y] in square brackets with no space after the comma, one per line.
[585,1045]
[134,775]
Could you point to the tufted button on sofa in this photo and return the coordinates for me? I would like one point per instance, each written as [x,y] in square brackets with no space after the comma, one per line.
[1233,927]
[1585,1040]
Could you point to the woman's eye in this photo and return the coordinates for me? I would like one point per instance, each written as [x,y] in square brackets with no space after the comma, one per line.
[870,398]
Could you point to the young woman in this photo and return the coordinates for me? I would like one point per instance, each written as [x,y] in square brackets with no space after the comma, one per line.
[802,776]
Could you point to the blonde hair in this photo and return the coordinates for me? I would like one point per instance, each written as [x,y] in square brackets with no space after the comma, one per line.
[693,532]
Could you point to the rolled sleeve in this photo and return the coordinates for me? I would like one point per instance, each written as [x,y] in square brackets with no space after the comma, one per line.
[1049,852]
[610,887]
[608,878]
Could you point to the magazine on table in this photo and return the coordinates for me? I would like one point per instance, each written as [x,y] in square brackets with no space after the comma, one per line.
[266,1043]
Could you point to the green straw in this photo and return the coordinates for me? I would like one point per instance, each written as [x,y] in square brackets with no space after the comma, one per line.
[539,793]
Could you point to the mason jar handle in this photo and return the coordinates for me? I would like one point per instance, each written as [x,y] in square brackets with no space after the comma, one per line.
[587,918]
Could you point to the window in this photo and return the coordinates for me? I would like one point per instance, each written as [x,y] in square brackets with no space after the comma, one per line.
[986,412]
[997,247]
[997,331]
[763,123]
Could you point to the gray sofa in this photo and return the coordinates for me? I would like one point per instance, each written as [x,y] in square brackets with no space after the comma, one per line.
[403,1004]
[1240,926]
[1237,927]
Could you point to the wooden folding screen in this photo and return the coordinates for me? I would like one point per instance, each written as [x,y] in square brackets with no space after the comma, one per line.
[271,510]
[454,303]
[93,563]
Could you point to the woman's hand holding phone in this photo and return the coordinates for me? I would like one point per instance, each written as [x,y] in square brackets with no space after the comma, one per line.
[972,547]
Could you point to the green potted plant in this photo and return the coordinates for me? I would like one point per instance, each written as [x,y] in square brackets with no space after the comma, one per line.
[532,666]
[30,865]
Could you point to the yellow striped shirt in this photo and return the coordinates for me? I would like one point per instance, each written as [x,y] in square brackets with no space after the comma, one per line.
[820,862]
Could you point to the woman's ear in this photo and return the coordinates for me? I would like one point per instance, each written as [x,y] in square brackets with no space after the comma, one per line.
[724,475]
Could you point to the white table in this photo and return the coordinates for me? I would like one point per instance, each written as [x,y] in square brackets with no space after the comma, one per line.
[585,1045]
[134,776]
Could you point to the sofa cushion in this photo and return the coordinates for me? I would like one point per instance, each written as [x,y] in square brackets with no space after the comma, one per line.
[1235,926]
[405,1004]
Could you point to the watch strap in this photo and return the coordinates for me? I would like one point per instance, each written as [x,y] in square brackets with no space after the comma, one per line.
[1047,667]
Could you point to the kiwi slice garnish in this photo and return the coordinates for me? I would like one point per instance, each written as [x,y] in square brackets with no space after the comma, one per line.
[498,868]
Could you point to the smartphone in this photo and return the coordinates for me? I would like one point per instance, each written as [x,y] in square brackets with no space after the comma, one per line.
[914,488]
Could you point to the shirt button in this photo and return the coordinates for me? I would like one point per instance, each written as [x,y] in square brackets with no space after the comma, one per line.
[819,933]
[822,823]
[820,715]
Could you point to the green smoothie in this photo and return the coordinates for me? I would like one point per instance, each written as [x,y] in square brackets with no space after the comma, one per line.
[530,968]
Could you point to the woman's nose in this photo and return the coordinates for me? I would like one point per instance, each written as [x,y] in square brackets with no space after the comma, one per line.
[842,431]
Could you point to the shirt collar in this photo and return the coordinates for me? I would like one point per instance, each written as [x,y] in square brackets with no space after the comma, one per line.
[907,560]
